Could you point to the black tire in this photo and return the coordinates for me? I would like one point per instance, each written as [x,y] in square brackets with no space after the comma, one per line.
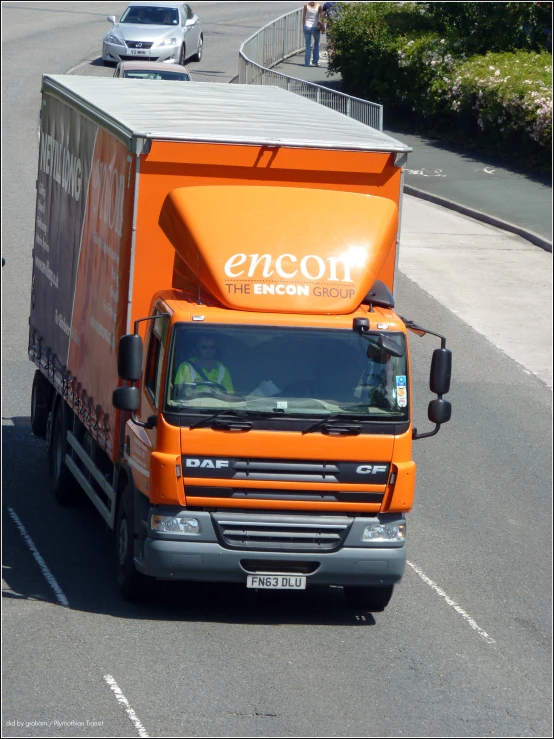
[39,404]
[369,598]
[64,485]
[198,56]
[133,585]
[183,55]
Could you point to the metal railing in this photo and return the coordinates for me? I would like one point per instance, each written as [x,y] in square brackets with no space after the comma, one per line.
[281,39]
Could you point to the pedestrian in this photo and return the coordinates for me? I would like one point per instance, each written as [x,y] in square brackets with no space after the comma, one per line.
[311,21]
[330,12]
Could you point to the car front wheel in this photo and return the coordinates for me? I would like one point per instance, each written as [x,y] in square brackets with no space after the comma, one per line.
[182,55]
[198,56]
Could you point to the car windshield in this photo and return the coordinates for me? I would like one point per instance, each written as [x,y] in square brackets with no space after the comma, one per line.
[140,74]
[150,15]
[285,370]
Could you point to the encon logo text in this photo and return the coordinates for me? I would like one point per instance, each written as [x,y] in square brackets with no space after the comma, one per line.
[287,266]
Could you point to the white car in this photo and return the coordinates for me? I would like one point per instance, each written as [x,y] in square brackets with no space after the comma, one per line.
[152,71]
[167,32]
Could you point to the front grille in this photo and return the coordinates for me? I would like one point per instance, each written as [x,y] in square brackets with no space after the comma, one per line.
[127,58]
[237,470]
[262,532]
[286,471]
[278,567]
[139,44]
[316,496]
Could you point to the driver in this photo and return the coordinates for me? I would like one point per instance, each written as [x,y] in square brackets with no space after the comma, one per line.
[203,367]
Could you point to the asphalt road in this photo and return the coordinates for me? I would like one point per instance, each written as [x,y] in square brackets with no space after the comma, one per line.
[463,649]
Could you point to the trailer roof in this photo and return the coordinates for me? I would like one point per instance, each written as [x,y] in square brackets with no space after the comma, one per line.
[134,110]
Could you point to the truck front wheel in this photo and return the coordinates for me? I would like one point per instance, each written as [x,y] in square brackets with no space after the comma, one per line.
[64,485]
[133,585]
[371,599]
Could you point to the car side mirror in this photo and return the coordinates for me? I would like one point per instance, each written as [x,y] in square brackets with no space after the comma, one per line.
[190,22]
[111,18]
[129,357]
[441,371]
[126,398]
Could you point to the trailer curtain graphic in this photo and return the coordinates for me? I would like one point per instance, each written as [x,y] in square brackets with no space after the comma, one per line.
[82,248]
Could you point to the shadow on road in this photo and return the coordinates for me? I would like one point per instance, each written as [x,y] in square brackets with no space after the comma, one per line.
[76,546]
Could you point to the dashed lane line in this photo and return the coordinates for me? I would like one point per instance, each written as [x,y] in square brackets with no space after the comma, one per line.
[133,718]
[452,603]
[50,579]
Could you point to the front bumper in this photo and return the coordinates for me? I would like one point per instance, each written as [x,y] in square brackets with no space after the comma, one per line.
[202,557]
[116,53]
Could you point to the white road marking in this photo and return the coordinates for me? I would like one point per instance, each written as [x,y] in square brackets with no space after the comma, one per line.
[50,579]
[81,64]
[452,603]
[128,710]
[426,172]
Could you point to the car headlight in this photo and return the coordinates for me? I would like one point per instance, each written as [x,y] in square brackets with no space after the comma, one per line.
[175,524]
[111,39]
[167,42]
[385,532]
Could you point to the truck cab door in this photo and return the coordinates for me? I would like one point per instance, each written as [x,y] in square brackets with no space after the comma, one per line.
[142,441]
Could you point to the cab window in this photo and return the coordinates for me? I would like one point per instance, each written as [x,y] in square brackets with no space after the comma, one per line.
[156,350]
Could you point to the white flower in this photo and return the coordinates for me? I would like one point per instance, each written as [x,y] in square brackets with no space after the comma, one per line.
[497,73]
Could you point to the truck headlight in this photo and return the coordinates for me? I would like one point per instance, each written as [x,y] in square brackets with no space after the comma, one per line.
[175,524]
[384,532]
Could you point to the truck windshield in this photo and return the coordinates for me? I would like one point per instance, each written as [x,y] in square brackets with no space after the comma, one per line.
[284,370]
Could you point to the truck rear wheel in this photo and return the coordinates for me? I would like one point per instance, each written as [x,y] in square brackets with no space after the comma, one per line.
[64,485]
[133,585]
[372,599]
[39,404]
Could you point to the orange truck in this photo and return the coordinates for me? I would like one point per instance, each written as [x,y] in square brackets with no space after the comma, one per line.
[219,364]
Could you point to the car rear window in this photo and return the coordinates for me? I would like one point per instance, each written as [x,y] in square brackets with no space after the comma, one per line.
[139,74]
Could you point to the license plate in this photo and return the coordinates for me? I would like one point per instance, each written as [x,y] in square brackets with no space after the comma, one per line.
[276,582]
[138,52]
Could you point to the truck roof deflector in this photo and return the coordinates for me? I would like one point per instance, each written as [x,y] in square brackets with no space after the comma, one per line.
[322,258]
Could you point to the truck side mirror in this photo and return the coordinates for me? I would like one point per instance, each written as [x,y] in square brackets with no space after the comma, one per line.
[126,398]
[439,411]
[129,357]
[441,371]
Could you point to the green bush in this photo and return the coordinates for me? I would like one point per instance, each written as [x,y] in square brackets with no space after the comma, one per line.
[486,27]
[394,54]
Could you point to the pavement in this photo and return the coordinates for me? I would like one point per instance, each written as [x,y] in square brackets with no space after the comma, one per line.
[461,180]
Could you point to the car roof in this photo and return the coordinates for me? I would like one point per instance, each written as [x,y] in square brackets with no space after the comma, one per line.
[154,66]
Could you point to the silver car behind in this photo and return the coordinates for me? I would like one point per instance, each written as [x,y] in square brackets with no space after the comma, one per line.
[154,31]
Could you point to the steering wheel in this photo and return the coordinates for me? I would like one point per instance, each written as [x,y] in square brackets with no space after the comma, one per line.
[216,385]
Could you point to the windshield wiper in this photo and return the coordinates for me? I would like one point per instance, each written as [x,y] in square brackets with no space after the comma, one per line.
[227,423]
[335,425]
